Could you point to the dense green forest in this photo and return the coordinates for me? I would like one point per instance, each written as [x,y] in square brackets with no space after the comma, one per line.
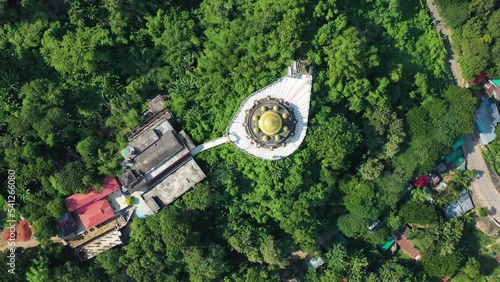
[74,80]
[475,26]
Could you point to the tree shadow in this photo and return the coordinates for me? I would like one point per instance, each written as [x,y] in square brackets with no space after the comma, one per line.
[478,173]
[487,264]
[492,211]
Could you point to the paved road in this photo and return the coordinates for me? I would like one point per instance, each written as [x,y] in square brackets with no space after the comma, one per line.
[484,193]
[452,66]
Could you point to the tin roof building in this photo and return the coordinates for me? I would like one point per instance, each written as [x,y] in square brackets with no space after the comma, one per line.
[487,117]
[461,206]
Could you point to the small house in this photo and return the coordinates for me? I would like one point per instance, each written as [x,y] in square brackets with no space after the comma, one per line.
[441,186]
[441,168]
[405,244]
[434,179]
[422,181]
[461,206]
[455,158]
[492,88]
[487,118]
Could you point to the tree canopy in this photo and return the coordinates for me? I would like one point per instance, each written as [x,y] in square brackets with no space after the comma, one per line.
[76,76]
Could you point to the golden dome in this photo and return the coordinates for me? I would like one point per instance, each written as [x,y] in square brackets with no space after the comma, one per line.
[256,130]
[263,108]
[276,108]
[284,115]
[265,138]
[285,128]
[270,123]
[255,118]
[277,137]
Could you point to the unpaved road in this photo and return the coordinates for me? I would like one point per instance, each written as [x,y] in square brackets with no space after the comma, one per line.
[28,244]
[451,63]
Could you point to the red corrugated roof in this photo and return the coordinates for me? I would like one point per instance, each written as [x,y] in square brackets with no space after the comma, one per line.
[23,231]
[407,246]
[422,181]
[77,201]
[482,76]
[95,213]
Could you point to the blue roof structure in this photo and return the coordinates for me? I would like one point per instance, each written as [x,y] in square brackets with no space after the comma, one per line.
[494,113]
[465,201]
[487,117]
[461,206]
[453,210]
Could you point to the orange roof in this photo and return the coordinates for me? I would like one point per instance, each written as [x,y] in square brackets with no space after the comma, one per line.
[23,231]
[96,213]
[407,246]
[77,201]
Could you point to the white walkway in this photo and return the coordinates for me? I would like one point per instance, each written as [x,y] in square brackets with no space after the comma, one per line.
[293,88]
[209,145]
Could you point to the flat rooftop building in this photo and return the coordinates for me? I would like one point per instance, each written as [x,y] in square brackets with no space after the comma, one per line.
[158,164]
[175,184]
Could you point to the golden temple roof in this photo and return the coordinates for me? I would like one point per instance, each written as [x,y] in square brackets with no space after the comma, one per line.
[270,123]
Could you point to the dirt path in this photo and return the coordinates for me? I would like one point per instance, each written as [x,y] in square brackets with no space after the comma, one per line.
[451,66]
[28,244]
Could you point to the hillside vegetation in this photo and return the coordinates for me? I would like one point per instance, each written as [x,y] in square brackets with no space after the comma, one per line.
[74,82]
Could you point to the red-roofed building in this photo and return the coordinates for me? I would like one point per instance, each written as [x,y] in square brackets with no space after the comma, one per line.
[23,230]
[491,89]
[77,201]
[405,244]
[95,213]
[422,181]
[480,78]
